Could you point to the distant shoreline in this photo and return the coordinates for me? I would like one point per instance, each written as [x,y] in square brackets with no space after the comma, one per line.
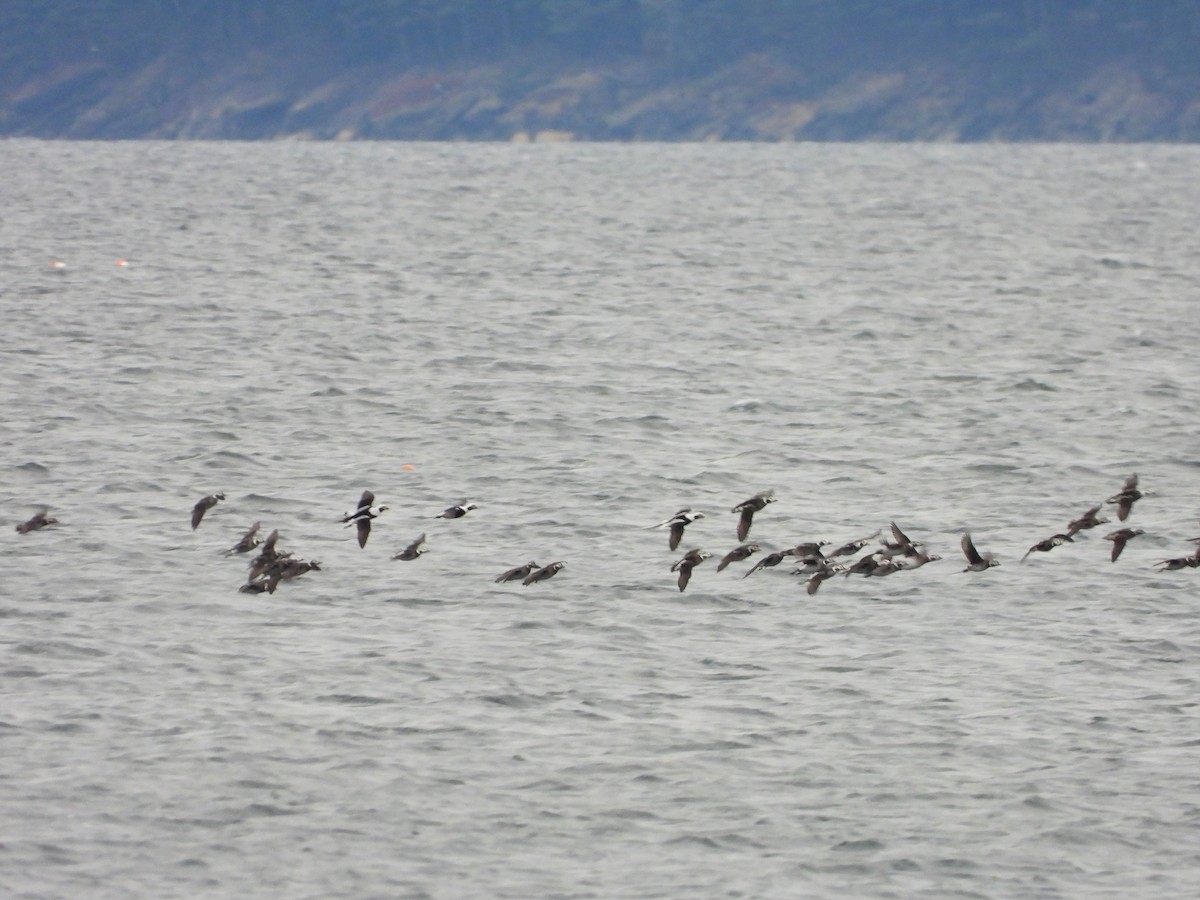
[757,98]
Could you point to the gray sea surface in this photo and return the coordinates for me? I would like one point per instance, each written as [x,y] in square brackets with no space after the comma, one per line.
[582,339]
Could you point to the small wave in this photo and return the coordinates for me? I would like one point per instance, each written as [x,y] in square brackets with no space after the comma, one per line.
[706,746]
[513,701]
[1030,384]
[648,419]
[867,844]
[268,810]
[960,379]
[750,404]
[1163,390]
[22,672]
[464,362]
[32,468]
[136,487]
[224,456]
[702,840]
[410,602]
[352,699]
[1112,262]
[709,661]
[997,468]
[506,365]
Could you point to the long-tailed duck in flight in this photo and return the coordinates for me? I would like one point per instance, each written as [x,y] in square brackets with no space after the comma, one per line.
[825,570]
[40,519]
[1088,520]
[362,516]
[684,566]
[1126,497]
[1121,538]
[737,554]
[413,550]
[976,561]
[769,561]
[456,512]
[519,572]
[248,542]
[203,505]
[902,543]
[677,523]
[748,508]
[852,546]
[1180,562]
[1048,544]
[543,573]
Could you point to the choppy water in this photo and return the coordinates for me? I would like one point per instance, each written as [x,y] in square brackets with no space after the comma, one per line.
[583,339]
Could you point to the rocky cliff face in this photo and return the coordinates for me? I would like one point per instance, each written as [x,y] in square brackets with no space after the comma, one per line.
[756,98]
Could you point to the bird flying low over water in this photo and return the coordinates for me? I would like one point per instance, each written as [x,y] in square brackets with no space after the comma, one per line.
[267,555]
[1086,521]
[1048,544]
[824,570]
[456,512]
[1121,538]
[268,546]
[248,542]
[887,565]
[809,550]
[684,566]
[748,508]
[677,523]
[518,573]
[1126,497]
[543,573]
[282,569]
[366,507]
[917,560]
[902,543]
[203,505]
[272,566]
[976,561]
[864,566]
[413,550]
[38,520]
[1181,562]
[737,554]
[768,561]
[362,516]
[286,569]
[852,546]
[808,565]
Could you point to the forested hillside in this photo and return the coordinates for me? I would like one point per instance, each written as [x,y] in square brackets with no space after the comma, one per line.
[603,69]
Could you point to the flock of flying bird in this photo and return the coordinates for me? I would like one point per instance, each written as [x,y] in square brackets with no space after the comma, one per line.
[272,566]
[900,553]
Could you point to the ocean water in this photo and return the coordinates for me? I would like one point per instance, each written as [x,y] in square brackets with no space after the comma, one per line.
[583,339]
